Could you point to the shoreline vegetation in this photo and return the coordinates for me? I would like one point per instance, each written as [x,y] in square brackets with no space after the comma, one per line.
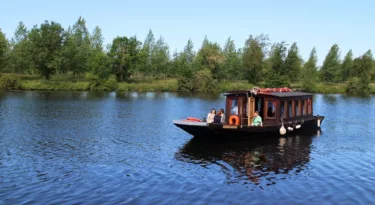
[50,57]
[14,82]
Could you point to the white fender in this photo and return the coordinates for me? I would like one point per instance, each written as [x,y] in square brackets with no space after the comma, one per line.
[298,126]
[282,130]
[290,128]
[318,122]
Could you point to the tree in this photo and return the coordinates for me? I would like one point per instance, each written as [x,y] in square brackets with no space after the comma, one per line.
[276,77]
[362,68]
[160,57]
[78,48]
[124,55]
[346,66]
[232,63]
[98,61]
[331,66]
[292,64]
[184,61]
[4,46]
[145,62]
[253,57]
[20,58]
[309,72]
[46,45]
[210,56]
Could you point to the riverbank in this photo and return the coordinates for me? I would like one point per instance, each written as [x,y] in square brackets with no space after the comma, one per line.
[69,83]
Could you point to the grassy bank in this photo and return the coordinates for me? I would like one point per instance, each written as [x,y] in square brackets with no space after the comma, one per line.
[69,83]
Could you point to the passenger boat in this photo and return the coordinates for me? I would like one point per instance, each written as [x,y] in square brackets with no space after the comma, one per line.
[282,111]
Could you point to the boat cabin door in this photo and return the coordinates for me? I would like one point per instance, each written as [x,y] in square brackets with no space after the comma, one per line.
[250,110]
[240,110]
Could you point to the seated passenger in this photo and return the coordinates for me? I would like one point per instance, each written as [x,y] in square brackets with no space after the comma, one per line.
[222,116]
[218,117]
[257,121]
[211,115]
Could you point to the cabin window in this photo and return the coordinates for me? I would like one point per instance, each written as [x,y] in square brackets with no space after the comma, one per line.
[270,106]
[259,105]
[290,108]
[234,107]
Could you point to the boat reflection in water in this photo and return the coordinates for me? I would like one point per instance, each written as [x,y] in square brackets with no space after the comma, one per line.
[263,161]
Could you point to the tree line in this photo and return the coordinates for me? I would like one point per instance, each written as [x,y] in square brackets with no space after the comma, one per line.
[48,49]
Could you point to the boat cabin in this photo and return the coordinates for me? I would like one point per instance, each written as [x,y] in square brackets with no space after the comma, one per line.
[272,104]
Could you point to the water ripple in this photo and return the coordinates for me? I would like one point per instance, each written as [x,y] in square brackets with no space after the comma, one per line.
[121,148]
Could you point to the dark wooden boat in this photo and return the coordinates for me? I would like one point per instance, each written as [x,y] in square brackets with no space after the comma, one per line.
[282,111]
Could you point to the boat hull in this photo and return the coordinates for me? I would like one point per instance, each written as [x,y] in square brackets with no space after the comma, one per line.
[212,130]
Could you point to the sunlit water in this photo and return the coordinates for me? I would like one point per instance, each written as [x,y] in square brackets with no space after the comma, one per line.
[118,148]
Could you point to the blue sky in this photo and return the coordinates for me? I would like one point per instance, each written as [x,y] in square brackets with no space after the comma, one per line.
[316,23]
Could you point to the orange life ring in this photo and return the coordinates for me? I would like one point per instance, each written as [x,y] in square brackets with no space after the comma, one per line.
[194,119]
[235,118]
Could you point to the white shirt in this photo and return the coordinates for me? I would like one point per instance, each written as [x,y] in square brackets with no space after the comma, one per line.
[210,118]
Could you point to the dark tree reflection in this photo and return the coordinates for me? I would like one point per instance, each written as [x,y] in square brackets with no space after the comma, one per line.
[252,160]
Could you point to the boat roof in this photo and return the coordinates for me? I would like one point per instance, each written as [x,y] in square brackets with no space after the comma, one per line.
[281,94]
[290,94]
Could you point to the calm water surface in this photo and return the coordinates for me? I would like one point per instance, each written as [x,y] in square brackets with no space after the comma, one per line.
[122,148]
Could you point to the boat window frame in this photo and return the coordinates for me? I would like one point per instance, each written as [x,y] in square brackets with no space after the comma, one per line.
[309,105]
[292,114]
[303,107]
[230,100]
[297,108]
[285,114]
[265,107]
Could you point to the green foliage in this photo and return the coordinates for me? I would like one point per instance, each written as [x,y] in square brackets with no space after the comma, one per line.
[186,83]
[253,58]
[100,84]
[160,58]
[361,74]
[276,80]
[9,82]
[124,55]
[100,64]
[292,65]
[331,66]
[205,82]
[235,85]
[46,47]
[346,66]
[183,61]
[20,57]
[277,75]
[78,48]
[309,73]
[53,85]
[3,50]
[64,56]
[210,56]
[232,63]
[354,86]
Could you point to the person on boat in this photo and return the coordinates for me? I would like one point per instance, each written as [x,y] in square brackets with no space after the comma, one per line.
[218,117]
[211,115]
[222,115]
[257,121]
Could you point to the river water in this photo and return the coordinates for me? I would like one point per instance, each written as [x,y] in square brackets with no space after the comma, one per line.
[122,148]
